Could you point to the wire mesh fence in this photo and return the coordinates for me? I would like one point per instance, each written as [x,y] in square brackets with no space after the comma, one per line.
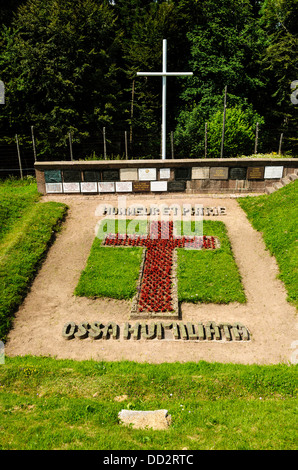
[18,152]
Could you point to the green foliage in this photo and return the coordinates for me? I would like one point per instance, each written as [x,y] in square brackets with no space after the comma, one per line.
[71,66]
[239,136]
[59,67]
[279,62]
[225,45]
[240,125]
[275,216]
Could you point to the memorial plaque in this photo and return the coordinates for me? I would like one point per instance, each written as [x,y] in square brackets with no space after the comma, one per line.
[124,187]
[255,173]
[110,175]
[273,172]
[159,185]
[147,174]
[52,176]
[91,176]
[89,187]
[71,187]
[237,173]
[219,173]
[164,173]
[200,173]
[54,187]
[174,186]
[140,186]
[182,174]
[106,187]
[128,174]
[72,176]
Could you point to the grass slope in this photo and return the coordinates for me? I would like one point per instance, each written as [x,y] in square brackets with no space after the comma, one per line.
[24,243]
[63,404]
[276,216]
[16,198]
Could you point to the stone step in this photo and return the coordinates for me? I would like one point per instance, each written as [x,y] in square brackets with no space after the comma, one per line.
[157,419]
[270,190]
[285,180]
[293,176]
[277,185]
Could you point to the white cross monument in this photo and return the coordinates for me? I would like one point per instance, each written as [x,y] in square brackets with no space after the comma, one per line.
[164,74]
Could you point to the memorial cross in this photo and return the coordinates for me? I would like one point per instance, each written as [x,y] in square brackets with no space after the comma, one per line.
[164,74]
[156,283]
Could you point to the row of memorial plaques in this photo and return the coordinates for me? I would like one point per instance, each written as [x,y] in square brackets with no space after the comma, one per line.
[143,175]
[75,176]
[95,176]
[240,173]
[118,187]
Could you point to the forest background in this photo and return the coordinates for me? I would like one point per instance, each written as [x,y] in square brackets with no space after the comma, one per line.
[69,69]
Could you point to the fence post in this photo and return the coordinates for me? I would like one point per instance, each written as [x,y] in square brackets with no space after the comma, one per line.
[19,156]
[131,110]
[33,143]
[70,146]
[104,144]
[206,134]
[280,143]
[223,124]
[257,138]
[126,152]
[172,144]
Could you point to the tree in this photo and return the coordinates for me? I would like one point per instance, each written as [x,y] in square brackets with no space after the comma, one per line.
[279,61]
[60,69]
[224,52]
[142,51]
[240,125]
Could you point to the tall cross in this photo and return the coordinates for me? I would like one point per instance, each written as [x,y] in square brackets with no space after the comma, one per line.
[164,74]
[157,292]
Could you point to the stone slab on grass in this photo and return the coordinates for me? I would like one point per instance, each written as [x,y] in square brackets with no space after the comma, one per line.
[157,419]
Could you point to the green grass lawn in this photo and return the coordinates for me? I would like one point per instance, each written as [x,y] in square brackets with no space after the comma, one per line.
[203,276]
[112,272]
[16,198]
[29,229]
[48,404]
[276,217]
[210,276]
[62,404]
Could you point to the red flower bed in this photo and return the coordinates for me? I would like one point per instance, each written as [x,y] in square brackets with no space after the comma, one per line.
[156,285]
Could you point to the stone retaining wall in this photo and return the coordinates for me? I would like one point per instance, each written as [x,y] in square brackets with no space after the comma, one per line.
[162,176]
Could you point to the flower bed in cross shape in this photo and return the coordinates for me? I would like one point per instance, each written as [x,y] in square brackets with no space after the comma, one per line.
[155,291]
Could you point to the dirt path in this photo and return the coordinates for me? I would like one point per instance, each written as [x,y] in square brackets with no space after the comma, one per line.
[50,303]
